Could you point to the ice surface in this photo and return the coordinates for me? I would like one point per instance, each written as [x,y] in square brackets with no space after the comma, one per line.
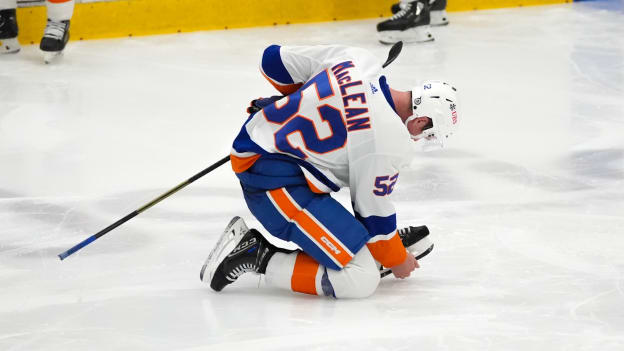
[526,209]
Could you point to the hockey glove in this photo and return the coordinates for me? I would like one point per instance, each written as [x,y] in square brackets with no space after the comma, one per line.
[259,103]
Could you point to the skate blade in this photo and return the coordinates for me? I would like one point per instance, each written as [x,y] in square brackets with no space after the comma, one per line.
[9,46]
[439,18]
[421,248]
[51,56]
[228,241]
[413,35]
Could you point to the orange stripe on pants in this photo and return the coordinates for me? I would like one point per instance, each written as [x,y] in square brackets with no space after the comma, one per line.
[288,208]
[310,227]
[304,274]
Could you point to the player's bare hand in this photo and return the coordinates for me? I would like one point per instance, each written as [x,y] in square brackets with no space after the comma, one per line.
[404,269]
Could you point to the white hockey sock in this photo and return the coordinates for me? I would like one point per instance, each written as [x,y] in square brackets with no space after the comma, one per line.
[301,273]
[279,270]
[60,11]
[8,4]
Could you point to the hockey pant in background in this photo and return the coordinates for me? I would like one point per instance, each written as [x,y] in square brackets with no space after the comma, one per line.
[334,262]
[58,10]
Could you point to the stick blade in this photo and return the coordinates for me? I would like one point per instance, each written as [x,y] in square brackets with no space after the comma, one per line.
[395,50]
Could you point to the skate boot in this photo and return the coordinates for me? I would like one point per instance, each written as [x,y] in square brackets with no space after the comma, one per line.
[410,24]
[417,242]
[8,32]
[239,250]
[55,37]
[437,12]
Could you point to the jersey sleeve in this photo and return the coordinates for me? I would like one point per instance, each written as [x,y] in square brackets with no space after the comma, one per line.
[372,181]
[287,68]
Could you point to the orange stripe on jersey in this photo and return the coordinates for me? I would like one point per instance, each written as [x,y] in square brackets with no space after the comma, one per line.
[389,252]
[286,89]
[241,164]
[304,274]
[309,226]
[314,188]
[58,1]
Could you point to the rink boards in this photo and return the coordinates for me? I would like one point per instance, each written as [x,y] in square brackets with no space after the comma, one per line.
[110,19]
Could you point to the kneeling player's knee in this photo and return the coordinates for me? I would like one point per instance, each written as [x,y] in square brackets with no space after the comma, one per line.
[358,279]
[365,283]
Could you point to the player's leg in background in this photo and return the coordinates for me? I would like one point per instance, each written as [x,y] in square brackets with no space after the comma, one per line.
[437,11]
[8,27]
[56,33]
[334,261]
[410,24]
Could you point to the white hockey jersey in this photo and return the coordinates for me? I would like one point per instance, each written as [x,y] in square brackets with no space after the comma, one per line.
[338,122]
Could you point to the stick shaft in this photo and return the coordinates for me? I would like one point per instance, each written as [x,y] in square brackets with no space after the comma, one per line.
[135,213]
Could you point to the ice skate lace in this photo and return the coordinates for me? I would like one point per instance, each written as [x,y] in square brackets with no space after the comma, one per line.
[54,30]
[405,8]
[240,270]
[403,232]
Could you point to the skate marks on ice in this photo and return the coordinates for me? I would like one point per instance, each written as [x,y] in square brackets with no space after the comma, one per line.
[43,227]
[605,164]
[152,262]
[556,229]
[461,176]
[487,315]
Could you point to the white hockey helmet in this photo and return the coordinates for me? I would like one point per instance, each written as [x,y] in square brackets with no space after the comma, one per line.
[438,101]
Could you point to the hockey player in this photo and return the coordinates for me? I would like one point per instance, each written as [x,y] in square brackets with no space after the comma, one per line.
[56,33]
[339,125]
[411,21]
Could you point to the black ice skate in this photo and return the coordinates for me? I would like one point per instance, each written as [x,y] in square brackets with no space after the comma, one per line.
[417,242]
[8,32]
[54,39]
[239,250]
[410,24]
[437,12]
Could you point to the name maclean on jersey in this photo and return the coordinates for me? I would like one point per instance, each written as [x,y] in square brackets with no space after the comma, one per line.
[353,97]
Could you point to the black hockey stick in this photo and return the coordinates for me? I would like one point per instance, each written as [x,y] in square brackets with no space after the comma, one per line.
[395,50]
[133,214]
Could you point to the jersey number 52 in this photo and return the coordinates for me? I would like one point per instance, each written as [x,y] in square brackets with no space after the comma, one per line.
[384,185]
[292,121]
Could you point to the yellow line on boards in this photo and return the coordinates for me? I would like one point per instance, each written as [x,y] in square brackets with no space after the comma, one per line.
[112,19]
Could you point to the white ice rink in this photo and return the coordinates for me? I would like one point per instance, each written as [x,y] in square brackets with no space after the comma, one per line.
[526,209]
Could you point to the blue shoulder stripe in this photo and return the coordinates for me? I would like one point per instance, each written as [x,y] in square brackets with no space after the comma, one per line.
[273,66]
[243,142]
[385,89]
[377,225]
